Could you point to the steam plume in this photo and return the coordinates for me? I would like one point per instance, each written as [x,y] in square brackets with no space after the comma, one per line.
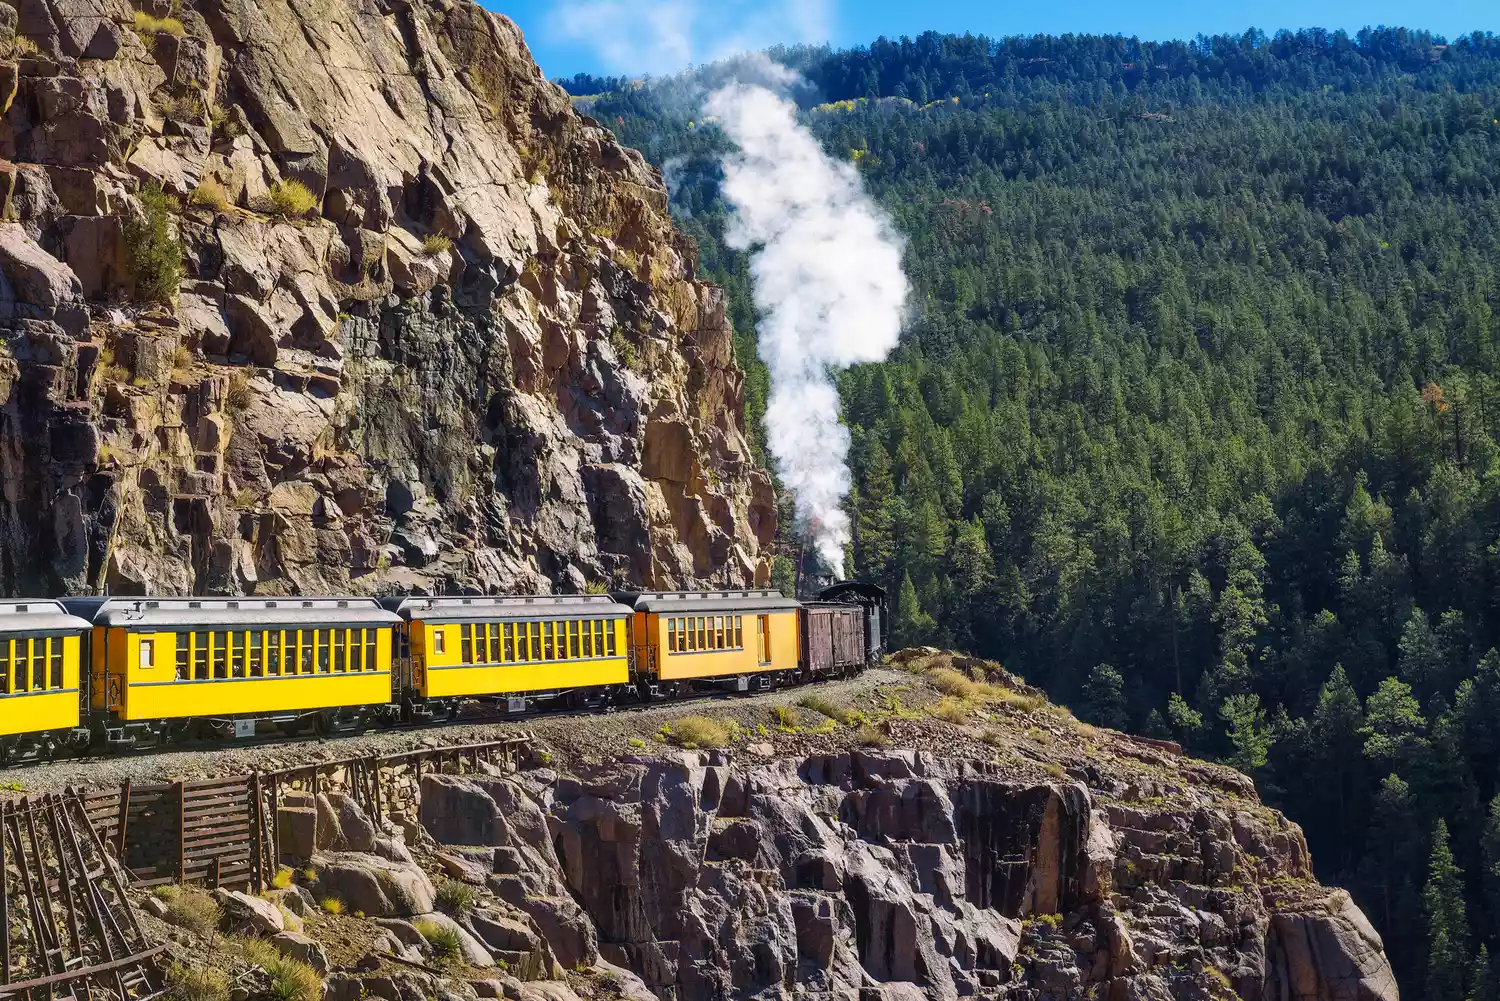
[826,264]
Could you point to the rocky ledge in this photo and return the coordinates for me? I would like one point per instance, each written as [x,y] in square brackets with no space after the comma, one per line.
[903,875]
[431,328]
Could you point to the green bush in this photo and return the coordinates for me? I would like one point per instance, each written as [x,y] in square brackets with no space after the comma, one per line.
[454,897]
[291,198]
[148,25]
[434,244]
[294,980]
[154,254]
[784,716]
[441,939]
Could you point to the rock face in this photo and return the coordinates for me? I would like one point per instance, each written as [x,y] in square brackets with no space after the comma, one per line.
[897,875]
[480,360]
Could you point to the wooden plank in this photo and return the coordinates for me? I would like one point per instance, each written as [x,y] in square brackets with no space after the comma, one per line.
[4,902]
[219,783]
[83,971]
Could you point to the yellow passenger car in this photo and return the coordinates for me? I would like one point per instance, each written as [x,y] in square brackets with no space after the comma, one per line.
[39,672]
[739,639]
[521,648]
[172,666]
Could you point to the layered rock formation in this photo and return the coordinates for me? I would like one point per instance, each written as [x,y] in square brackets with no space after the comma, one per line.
[479,359]
[904,875]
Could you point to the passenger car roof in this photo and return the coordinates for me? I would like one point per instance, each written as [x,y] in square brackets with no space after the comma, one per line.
[484,608]
[703,602]
[206,613]
[38,616]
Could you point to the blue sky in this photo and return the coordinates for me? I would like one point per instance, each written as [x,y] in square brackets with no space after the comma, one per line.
[661,36]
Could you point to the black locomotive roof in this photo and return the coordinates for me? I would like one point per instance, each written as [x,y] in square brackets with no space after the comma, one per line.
[207,613]
[38,616]
[841,590]
[483,608]
[700,602]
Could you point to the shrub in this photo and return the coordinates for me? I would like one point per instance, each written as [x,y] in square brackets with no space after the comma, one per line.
[211,195]
[294,980]
[21,47]
[197,983]
[832,710]
[154,254]
[951,682]
[636,743]
[190,908]
[291,198]
[783,716]
[1055,770]
[182,358]
[952,709]
[871,736]
[258,952]
[435,243]
[148,25]
[332,905]
[237,397]
[182,108]
[441,939]
[699,731]
[454,897]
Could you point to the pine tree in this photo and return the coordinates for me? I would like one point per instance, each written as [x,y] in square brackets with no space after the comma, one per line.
[1482,986]
[1447,926]
[1489,854]
[1104,698]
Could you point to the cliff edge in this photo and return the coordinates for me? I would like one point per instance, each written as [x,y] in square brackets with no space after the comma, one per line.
[432,329]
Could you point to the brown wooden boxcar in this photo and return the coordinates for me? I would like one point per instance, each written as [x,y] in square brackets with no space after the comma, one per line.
[833,637]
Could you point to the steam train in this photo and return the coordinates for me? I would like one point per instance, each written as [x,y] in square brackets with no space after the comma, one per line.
[122,672]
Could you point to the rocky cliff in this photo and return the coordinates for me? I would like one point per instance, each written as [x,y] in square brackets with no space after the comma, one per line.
[432,329]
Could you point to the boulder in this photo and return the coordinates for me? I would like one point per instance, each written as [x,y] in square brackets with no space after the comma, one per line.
[297,832]
[245,913]
[1333,952]
[298,946]
[567,929]
[376,886]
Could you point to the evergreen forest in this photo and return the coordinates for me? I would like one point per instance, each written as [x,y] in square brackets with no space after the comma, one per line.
[1195,418]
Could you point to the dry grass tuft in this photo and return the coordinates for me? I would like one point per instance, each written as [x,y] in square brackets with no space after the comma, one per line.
[435,243]
[210,194]
[692,732]
[148,25]
[821,704]
[291,198]
[197,983]
[954,710]
[191,908]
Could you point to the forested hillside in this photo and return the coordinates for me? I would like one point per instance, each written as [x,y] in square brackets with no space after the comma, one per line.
[1195,421]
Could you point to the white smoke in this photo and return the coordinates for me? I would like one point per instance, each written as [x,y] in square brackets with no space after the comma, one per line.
[826,264]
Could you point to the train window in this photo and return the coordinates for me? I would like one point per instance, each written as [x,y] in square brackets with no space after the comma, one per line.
[305,650]
[573,639]
[609,638]
[702,632]
[509,631]
[56,657]
[181,644]
[148,654]
[523,643]
[723,639]
[340,662]
[17,656]
[273,653]
[216,654]
[439,640]
[535,629]
[370,664]
[548,628]
[200,656]
[238,642]
[671,636]
[4,667]
[325,651]
[38,665]
[487,642]
[255,655]
[739,632]
[599,627]
[466,643]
